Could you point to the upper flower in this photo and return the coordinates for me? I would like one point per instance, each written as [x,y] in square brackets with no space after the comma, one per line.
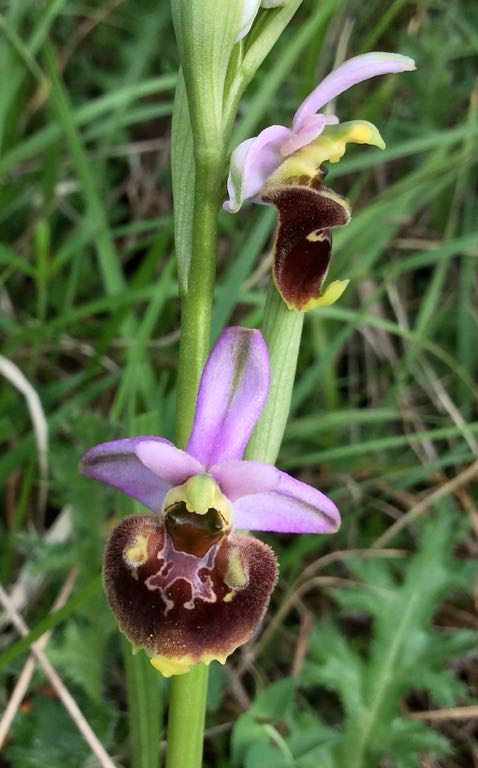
[183,586]
[256,159]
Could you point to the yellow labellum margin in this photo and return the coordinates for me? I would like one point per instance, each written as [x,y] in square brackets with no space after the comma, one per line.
[170,666]
[307,213]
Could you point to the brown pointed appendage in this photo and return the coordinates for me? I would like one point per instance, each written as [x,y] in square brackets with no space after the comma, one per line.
[184,592]
[303,243]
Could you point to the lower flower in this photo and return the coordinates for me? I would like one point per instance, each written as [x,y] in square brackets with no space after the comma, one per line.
[182,584]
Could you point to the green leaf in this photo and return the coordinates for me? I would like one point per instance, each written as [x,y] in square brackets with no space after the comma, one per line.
[282,330]
[405,654]
[342,669]
[45,735]
[267,756]
[254,737]
[81,652]
[273,702]
[310,741]
[406,739]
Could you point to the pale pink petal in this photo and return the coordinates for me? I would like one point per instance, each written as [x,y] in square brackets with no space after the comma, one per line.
[331,119]
[310,131]
[252,162]
[116,463]
[232,394]
[349,73]
[168,463]
[266,499]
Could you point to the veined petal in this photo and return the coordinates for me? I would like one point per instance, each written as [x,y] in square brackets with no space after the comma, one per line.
[252,162]
[310,131]
[232,394]
[266,499]
[168,463]
[116,463]
[350,73]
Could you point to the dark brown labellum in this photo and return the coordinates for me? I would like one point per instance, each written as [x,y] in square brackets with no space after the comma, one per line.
[303,244]
[176,604]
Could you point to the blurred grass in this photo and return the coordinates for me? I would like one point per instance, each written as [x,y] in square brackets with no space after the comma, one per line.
[384,410]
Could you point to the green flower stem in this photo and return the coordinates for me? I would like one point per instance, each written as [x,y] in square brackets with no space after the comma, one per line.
[145,704]
[205,34]
[187,714]
[187,708]
[196,304]
[282,330]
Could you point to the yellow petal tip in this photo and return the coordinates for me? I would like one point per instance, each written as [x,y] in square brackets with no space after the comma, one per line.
[360,132]
[332,293]
[169,667]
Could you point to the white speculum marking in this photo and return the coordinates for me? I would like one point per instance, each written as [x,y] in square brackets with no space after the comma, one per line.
[176,566]
[199,493]
[317,236]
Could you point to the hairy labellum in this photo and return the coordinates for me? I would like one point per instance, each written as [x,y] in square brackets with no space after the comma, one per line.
[183,590]
[303,242]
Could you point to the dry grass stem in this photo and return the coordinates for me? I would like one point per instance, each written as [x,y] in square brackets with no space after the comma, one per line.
[61,690]
[26,674]
[445,490]
[455,713]
[40,425]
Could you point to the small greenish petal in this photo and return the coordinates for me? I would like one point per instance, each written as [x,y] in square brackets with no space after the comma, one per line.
[332,293]
[329,147]
[356,132]
[200,492]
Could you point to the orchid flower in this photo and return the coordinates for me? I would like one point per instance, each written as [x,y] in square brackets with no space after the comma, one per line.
[284,167]
[256,159]
[184,586]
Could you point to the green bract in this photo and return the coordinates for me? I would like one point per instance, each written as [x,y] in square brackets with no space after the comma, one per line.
[205,31]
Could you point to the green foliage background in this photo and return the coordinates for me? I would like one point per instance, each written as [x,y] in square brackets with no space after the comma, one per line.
[369,630]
